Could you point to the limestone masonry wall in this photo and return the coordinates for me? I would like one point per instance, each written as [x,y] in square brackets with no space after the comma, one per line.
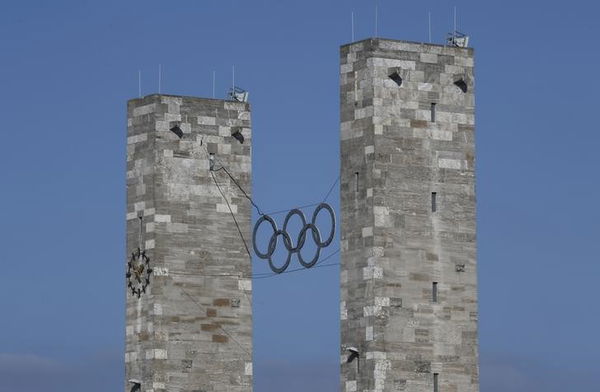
[408,273]
[192,329]
[408,244]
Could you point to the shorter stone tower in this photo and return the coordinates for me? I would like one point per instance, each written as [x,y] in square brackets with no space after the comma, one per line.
[189,311]
[408,251]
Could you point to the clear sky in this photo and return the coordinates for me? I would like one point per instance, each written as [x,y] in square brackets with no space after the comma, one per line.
[68,67]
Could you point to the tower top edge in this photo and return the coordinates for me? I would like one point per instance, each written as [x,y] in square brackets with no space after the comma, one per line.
[155,96]
[408,45]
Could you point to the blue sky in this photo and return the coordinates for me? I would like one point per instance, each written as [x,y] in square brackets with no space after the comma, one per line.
[68,68]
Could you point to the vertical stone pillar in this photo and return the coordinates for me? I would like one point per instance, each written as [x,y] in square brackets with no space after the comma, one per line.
[408,273]
[191,330]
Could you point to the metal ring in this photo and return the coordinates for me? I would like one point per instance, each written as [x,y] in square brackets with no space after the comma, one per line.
[273,244]
[314,260]
[274,227]
[301,239]
[314,222]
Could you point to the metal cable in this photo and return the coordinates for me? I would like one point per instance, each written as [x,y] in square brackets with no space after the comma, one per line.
[224,168]
[288,209]
[232,178]
[241,189]
[318,265]
[331,189]
[232,214]
[308,205]
[217,324]
[261,275]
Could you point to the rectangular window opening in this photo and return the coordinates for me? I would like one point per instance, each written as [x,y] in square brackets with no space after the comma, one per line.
[211,161]
[356,181]
[434,292]
[433,201]
[433,111]
[436,387]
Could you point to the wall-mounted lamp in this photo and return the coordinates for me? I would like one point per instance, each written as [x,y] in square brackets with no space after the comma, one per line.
[237,134]
[137,385]
[354,354]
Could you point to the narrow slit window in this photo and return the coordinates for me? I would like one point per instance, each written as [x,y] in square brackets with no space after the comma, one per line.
[141,231]
[211,161]
[355,88]
[433,201]
[436,386]
[433,104]
[356,181]
[434,292]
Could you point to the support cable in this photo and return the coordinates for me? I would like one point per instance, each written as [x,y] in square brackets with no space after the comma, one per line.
[318,265]
[217,324]
[261,275]
[308,205]
[288,209]
[331,189]
[233,179]
[224,168]
[241,189]
[232,214]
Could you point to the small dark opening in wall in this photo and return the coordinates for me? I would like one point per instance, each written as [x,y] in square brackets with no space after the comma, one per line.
[237,134]
[433,112]
[433,201]
[462,85]
[434,292]
[356,181]
[177,131]
[436,387]
[395,76]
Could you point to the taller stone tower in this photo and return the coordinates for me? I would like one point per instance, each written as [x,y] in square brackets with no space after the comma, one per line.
[189,320]
[408,273]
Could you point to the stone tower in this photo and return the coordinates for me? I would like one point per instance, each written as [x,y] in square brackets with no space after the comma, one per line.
[190,329]
[408,261]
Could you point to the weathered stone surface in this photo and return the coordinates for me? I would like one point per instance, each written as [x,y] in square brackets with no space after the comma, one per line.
[192,330]
[394,247]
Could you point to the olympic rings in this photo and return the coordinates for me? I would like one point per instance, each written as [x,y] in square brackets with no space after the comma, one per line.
[300,241]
